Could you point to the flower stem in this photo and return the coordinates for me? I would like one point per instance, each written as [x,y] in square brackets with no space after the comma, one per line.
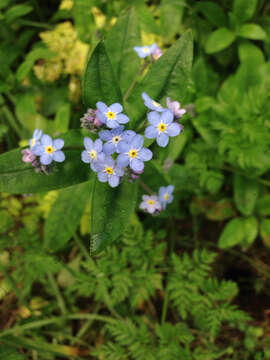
[57,293]
[135,81]
[146,187]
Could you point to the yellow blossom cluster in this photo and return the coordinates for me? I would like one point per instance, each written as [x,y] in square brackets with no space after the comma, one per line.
[70,53]
[66,5]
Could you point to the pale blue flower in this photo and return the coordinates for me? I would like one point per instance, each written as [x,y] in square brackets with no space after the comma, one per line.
[111,115]
[49,150]
[150,204]
[151,104]
[133,153]
[165,195]
[113,137]
[144,51]
[35,140]
[108,171]
[162,127]
[93,152]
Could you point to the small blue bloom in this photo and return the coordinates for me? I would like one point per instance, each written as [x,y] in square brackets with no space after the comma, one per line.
[165,195]
[150,204]
[133,153]
[151,104]
[175,107]
[93,152]
[111,115]
[35,138]
[161,127]
[144,51]
[113,137]
[49,150]
[108,171]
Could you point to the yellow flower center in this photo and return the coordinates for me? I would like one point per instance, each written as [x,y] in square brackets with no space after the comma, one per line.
[166,197]
[145,50]
[93,154]
[49,149]
[116,139]
[151,202]
[162,127]
[109,170]
[133,153]
[33,141]
[155,103]
[111,115]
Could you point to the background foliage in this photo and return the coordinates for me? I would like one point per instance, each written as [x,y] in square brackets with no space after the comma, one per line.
[191,283]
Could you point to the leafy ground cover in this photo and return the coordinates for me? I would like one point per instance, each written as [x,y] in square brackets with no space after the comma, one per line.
[84,272]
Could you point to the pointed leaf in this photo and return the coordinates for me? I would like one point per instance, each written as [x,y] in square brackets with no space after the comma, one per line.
[245,194]
[243,10]
[65,215]
[111,211]
[232,234]
[219,40]
[99,83]
[252,31]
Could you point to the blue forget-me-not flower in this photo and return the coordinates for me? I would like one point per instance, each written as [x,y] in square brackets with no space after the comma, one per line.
[161,127]
[113,137]
[35,140]
[93,152]
[133,153]
[144,51]
[150,204]
[49,150]
[111,115]
[151,104]
[108,171]
[165,195]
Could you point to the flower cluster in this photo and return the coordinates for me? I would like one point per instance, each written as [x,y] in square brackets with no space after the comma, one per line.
[155,204]
[144,51]
[117,150]
[43,151]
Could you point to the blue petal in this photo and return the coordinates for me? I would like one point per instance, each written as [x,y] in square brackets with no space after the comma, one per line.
[162,140]
[153,118]
[85,157]
[128,135]
[101,107]
[151,132]
[111,123]
[167,117]
[109,148]
[119,171]
[145,154]
[109,161]
[122,119]
[46,159]
[101,117]
[105,135]
[123,147]
[118,130]
[38,149]
[88,143]
[145,96]
[170,189]
[58,144]
[136,165]
[58,156]
[122,160]
[174,129]
[153,48]
[46,140]
[102,176]
[98,145]
[137,142]
[114,180]
[116,108]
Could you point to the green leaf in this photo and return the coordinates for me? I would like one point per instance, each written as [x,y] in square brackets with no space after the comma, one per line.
[213,13]
[9,353]
[17,11]
[65,215]
[61,122]
[119,44]
[265,231]
[252,31]
[26,111]
[171,13]
[111,212]
[232,234]
[251,227]
[31,58]
[168,76]
[243,10]
[263,205]
[218,40]
[245,194]
[99,83]
[16,177]
[147,21]
[248,50]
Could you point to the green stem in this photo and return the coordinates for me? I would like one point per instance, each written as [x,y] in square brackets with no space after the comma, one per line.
[135,81]
[146,187]
[54,320]
[12,122]
[58,294]
[82,247]
[35,24]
